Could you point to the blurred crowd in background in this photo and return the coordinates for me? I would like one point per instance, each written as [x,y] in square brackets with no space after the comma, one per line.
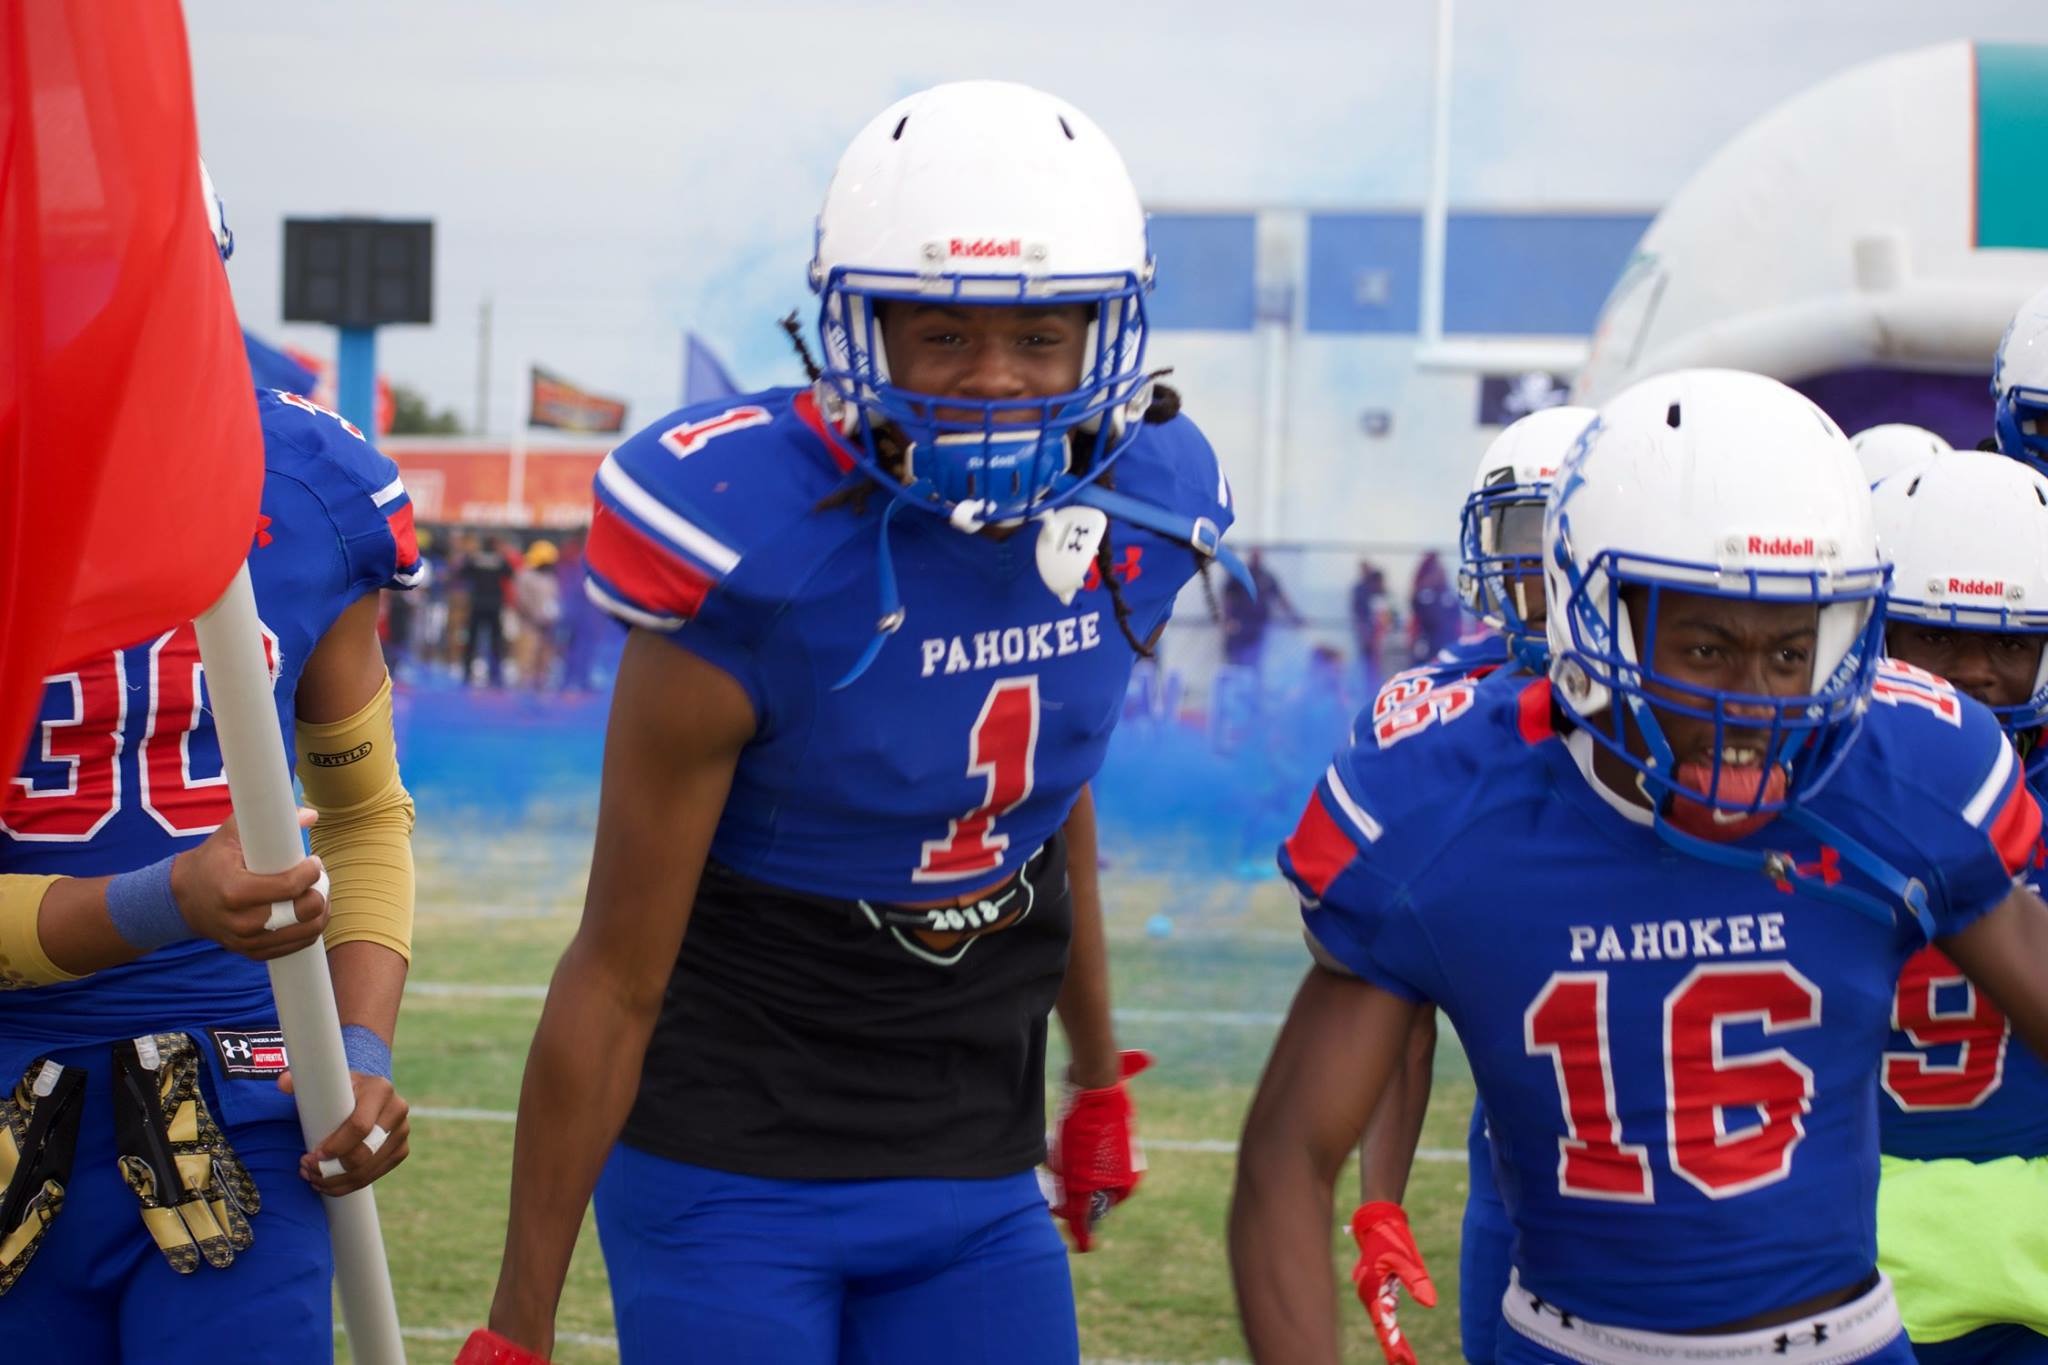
[504,608]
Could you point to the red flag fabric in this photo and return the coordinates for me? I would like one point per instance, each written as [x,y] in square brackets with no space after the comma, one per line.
[130,457]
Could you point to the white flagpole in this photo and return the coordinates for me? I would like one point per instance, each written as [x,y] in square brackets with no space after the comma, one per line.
[260,783]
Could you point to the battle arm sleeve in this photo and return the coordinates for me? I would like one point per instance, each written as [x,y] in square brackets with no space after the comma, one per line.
[23,963]
[349,770]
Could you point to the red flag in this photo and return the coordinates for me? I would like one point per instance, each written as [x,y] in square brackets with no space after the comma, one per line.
[130,457]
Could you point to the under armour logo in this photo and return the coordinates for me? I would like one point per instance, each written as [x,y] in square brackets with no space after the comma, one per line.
[1125,569]
[1782,869]
[1812,1336]
[263,536]
[1539,1307]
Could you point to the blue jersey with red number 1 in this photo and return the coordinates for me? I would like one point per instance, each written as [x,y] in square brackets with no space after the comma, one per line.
[963,747]
[123,767]
[1678,1058]
[1956,1082]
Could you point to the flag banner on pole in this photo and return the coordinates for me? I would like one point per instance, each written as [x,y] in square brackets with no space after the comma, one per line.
[558,403]
[705,377]
[131,462]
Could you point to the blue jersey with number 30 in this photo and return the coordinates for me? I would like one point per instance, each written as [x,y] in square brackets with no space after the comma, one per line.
[123,767]
[963,747]
[1678,1058]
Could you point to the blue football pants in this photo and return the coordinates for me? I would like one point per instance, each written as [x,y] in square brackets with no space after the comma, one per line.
[710,1266]
[99,1292]
[1485,1247]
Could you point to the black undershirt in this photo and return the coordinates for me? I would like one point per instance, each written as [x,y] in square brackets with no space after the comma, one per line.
[800,1038]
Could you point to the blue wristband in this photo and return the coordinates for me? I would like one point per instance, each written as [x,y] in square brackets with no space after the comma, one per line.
[144,912]
[368,1055]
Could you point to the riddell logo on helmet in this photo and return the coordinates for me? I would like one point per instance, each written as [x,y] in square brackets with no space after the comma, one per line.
[1977,587]
[985,248]
[1781,546]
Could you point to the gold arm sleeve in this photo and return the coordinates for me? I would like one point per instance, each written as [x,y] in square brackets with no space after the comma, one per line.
[349,770]
[23,963]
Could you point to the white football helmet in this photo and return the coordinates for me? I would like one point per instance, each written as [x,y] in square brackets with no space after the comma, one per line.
[1727,484]
[216,215]
[1885,450]
[1968,542]
[1500,528]
[2019,385]
[985,192]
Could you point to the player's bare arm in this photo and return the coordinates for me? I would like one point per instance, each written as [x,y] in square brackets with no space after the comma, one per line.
[677,727]
[1299,1134]
[2006,954]
[217,896]
[1387,1156]
[344,674]
[1083,1004]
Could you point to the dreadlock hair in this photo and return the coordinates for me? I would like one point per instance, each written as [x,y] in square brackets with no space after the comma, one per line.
[893,455]
[1165,406]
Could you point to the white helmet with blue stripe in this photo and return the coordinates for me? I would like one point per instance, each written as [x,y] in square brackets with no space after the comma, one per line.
[1500,527]
[984,193]
[1721,484]
[2019,385]
[1968,540]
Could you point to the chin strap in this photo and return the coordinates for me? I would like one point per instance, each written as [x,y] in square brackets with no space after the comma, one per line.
[1903,890]
[1199,534]
[892,603]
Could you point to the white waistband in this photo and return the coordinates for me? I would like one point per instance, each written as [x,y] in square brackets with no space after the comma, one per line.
[1837,1336]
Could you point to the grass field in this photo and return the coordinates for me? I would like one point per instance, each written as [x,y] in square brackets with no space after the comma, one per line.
[1205,1000]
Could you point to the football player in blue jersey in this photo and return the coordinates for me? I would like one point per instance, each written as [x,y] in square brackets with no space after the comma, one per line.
[880,639]
[2019,385]
[1500,579]
[156,1199]
[1664,895]
[1963,1206]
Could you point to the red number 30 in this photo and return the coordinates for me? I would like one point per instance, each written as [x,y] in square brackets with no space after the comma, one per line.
[86,740]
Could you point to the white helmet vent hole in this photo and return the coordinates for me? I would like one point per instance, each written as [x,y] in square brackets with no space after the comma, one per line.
[897,136]
[1066,128]
[1671,416]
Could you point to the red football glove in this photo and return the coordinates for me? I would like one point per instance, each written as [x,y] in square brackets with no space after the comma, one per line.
[486,1347]
[1094,1154]
[1387,1260]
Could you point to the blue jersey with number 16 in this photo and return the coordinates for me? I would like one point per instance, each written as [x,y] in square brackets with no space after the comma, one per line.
[1678,1058]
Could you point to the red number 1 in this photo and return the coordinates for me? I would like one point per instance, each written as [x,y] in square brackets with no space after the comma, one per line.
[1000,748]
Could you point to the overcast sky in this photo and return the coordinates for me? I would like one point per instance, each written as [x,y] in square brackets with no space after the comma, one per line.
[611,172]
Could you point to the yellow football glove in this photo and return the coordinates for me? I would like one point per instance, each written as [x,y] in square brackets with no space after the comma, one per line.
[38,1133]
[196,1194]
